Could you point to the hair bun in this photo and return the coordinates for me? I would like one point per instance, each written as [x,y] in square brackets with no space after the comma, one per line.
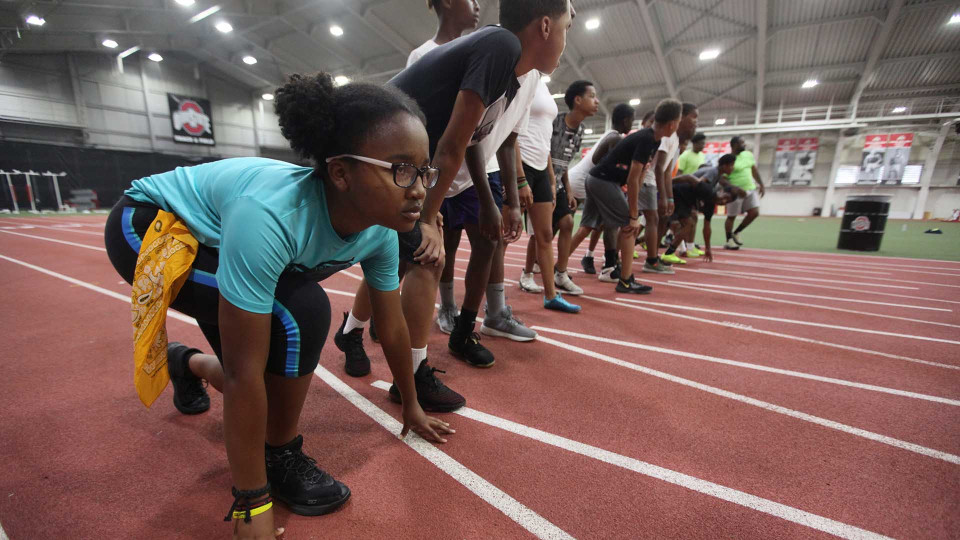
[305,106]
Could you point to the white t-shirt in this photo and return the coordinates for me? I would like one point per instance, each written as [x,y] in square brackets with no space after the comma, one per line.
[670,145]
[534,141]
[513,120]
[418,53]
[578,173]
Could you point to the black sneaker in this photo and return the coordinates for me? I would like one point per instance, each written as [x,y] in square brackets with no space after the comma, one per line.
[587,264]
[189,395]
[465,344]
[373,331]
[351,343]
[296,480]
[630,285]
[432,394]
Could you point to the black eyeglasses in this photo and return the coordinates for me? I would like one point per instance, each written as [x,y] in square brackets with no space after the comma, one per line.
[404,174]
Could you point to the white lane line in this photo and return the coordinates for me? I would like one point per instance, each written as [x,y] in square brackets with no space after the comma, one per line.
[843,269]
[812,269]
[739,275]
[85,246]
[805,295]
[515,510]
[818,280]
[64,229]
[746,328]
[790,321]
[909,265]
[864,258]
[3,534]
[695,287]
[692,483]
[757,367]
[904,445]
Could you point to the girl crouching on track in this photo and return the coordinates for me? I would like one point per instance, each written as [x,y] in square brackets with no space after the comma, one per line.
[253,237]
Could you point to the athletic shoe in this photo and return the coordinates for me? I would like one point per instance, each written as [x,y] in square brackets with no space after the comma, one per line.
[736,238]
[587,264]
[656,268]
[636,254]
[432,394]
[673,259]
[731,244]
[505,325]
[610,274]
[296,480]
[527,283]
[631,286]
[357,363]
[189,396]
[373,331]
[694,253]
[446,318]
[564,283]
[667,239]
[536,268]
[465,344]
[557,303]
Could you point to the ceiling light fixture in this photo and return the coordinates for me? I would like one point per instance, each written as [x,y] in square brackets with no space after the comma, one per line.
[557,96]
[203,14]
[267,97]
[35,20]
[720,121]
[109,43]
[954,19]
[592,24]
[588,131]
[898,110]
[810,83]
[634,102]
[155,57]
[336,30]
[186,3]
[128,52]
[341,80]
[710,54]
[249,60]
[224,27]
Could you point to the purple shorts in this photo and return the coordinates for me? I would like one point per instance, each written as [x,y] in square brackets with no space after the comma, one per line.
[464,209]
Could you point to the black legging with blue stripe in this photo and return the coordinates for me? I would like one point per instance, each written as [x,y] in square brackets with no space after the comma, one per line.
[301,309]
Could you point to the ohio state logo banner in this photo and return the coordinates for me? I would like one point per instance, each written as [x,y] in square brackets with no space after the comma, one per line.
[191,120]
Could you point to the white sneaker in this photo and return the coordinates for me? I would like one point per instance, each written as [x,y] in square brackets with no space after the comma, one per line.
[736,238]
[446,318]
[610,274]
[536,268]
[565,284]
[528,284]
[731,244]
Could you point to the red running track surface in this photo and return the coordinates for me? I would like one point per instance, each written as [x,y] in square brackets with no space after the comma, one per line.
[798,421]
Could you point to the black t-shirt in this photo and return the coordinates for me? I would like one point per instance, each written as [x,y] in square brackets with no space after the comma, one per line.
[697,197]
[483,61]
[638,146]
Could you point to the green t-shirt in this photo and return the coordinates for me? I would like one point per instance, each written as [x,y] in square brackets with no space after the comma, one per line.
[690,161]
[742,175]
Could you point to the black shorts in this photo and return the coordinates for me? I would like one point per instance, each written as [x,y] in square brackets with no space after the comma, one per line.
[301,309]
[409,243]
[681,211]
[539,184]
[562,209]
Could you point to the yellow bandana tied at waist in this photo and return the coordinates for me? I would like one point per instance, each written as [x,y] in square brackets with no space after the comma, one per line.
[166,256]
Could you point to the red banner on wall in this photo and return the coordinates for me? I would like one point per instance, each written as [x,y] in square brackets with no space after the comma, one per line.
[899,140]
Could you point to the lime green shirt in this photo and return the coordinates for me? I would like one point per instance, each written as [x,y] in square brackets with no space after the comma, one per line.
[742,175]
[690,161]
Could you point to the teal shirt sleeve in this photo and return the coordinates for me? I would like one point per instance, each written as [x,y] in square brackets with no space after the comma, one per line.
[381,269]
[254,251]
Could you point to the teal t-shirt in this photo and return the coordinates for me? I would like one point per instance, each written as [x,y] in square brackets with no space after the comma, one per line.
[266,217]
[742,175]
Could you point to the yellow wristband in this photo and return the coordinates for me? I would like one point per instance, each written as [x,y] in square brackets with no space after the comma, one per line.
[242,514]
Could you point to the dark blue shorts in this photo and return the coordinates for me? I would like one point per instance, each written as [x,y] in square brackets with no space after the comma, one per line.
[464,209]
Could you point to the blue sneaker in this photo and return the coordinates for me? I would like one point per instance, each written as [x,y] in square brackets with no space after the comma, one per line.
[559,304]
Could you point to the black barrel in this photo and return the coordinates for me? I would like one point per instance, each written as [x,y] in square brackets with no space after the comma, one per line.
[864,219]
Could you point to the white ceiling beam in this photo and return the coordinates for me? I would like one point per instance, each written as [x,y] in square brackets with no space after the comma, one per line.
[944,88]
[723,94]
[372,21]
[875,15]
[880,41]
[708,65]
[761,54]
[674,44]
[654,34]
[699,10]
[581,69]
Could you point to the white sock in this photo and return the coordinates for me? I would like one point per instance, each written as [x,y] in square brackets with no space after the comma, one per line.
[590,253]
[446,295]
[353,323]
[419,355]
[683,246]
